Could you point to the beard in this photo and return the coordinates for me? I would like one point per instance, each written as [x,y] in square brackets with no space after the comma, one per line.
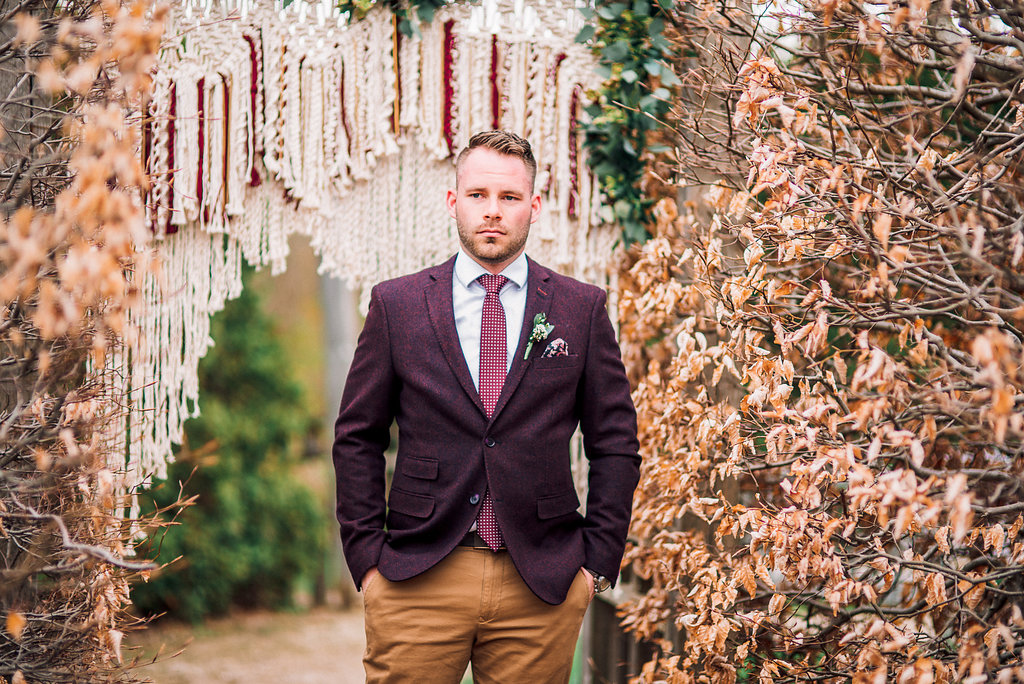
[493,249]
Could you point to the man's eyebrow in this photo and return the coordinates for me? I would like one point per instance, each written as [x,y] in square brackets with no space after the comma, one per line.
[507,191]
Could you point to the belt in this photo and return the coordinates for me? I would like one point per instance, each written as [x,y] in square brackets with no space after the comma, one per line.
[474,540]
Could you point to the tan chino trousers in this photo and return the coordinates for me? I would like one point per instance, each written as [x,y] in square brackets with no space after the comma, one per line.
[471,607]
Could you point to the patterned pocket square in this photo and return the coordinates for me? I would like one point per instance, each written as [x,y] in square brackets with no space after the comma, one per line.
[557,347]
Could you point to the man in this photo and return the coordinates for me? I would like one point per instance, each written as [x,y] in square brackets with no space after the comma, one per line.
[488,362]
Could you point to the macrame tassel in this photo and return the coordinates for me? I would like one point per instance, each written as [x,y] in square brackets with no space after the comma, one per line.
[291,117]
[239,158]
[329,87]
[161,127]
[355,104]
[494,80]
[434,91]
[409,70]
[187,162]
[212,198]
[344,136]
[574,153]
[567,253]
[516,91]
[309,165]
[381,64]
[254,123]
[450,108]
[202,143]
[533,114]
[273,138]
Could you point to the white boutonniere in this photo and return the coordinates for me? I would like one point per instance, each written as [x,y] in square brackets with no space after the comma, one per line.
[541,330]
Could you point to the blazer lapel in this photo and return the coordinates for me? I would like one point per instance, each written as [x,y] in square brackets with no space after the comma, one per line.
[538,299]
[442,317]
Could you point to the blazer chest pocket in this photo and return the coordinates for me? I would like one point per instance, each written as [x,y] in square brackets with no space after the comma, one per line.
[557,362]
[557,505]
[420,468]
[407,503]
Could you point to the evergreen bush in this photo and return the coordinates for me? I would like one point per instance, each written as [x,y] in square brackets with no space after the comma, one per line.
[255,531]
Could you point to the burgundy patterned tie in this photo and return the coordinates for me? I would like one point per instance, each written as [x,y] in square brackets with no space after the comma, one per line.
[493,367]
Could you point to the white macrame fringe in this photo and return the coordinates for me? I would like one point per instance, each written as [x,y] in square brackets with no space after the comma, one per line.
[333,166]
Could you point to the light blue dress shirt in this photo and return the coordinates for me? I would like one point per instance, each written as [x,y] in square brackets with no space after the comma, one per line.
[468,303]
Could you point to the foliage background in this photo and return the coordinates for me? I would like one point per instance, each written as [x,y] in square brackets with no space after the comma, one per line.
[827,341]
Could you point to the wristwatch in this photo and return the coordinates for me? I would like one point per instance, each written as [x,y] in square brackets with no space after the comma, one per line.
[601,583]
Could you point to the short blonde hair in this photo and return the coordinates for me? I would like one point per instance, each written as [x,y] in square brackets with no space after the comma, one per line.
[502,142]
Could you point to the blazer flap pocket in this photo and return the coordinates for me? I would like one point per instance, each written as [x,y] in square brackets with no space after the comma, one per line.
[420,468]
[559,504]
[416,505]
[551,362]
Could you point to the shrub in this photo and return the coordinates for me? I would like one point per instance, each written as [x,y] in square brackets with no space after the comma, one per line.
[254,531]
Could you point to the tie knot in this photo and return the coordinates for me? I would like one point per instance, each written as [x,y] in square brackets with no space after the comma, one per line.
[492,283]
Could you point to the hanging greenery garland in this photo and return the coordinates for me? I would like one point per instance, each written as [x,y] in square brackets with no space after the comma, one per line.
[420,10]
[629,41]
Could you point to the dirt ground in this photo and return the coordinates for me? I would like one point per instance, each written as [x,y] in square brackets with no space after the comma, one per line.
[319,646]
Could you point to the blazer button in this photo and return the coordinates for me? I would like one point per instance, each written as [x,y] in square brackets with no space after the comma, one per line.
[489,442]
[475,499]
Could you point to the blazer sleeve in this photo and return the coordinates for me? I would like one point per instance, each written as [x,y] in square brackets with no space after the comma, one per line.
[361,435]
[608,423]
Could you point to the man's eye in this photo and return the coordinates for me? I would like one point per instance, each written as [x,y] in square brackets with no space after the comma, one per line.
[474,195]
[511,198]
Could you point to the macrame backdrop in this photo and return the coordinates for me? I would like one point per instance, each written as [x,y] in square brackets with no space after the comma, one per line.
[268,121]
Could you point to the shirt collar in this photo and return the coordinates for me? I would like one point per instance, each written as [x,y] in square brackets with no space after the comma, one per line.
[468,270]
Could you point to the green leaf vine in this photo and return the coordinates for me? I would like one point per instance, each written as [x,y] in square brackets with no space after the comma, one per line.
[629,41]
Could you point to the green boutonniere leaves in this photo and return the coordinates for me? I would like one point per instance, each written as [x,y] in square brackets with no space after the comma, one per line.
[541,330]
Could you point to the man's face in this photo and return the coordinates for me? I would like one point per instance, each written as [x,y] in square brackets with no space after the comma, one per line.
[493,206]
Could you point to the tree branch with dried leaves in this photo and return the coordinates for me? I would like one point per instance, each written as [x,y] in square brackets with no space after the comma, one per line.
[73,246]
[828,350]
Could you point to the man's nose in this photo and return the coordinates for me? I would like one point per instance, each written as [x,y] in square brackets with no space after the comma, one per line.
[493,208]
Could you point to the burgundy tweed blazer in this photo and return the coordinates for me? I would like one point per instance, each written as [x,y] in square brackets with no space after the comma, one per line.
[408,366]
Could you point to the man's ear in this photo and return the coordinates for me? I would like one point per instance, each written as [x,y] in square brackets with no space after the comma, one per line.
[534,208]
[450,201]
